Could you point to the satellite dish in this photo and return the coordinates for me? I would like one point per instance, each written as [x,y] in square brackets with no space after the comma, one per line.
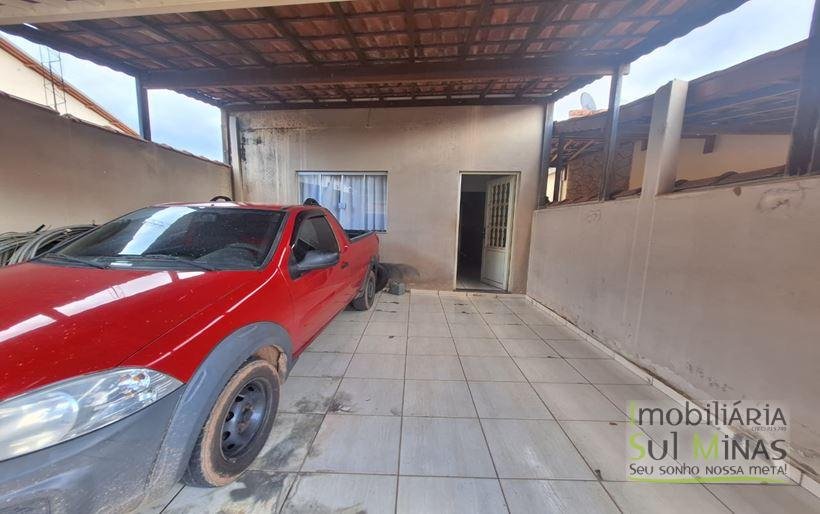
[587,102]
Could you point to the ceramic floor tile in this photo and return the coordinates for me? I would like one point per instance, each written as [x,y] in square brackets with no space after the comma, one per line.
[547,369]
[433,367]
[622,394]
[507,400]
[255,492]
[390,315]
[464,317]
[396,345]
[475,329]
[603,445]
[640,498]
[533,449]
[424,495]
[338,343]
[427,317]
[491,369]
[579,402]
[528,348]
[356,444]
[386,328]
[444,447]
[431,346]
[428,307]
[533,316]
[364,365]
[605,371]
[438,399]
[467,311]
[320,365]
[515,301]
[368,396]
[326,493]
[577,350]
[429,330]
[345,327]
[491,307]
[392,305]
[288,442]
[479,347]
[765,499]
[557,497]
[503,318]
[305,395]
[513,332]
[554,332]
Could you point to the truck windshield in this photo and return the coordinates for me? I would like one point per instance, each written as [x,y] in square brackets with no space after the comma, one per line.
[211,238]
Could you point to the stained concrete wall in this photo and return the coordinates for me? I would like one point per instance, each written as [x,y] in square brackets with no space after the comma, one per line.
[724,302]
[422,149]
[57,171]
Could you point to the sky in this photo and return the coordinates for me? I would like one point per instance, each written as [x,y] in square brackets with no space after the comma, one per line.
[757,27]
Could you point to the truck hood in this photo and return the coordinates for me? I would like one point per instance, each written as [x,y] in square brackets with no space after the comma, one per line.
[57,322]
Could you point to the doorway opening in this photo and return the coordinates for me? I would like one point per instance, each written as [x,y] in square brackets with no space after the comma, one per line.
[485,231]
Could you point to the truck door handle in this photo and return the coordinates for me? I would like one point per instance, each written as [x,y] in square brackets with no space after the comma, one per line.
[345,264]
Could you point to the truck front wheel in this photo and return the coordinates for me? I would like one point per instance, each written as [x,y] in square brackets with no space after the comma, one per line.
[365,301]
[237,427]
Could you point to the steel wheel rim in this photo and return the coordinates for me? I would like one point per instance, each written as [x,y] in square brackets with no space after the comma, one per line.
[244,418]
[371,291]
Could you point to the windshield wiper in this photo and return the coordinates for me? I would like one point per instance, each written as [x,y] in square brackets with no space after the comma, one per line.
[173,258]
[76,260]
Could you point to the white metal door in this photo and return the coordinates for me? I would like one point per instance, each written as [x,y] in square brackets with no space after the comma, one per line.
[498,217]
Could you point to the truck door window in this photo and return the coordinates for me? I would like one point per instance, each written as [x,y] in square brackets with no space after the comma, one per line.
[314,233]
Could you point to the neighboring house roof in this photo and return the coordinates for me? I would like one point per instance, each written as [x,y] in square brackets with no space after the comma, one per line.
[70,90]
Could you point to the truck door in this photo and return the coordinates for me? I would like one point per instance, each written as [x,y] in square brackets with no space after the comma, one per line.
[315,293]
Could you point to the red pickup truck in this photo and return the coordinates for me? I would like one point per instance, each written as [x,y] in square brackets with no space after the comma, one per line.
[153,348]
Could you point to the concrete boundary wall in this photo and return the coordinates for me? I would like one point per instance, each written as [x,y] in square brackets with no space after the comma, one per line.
[60,171]
[714,291]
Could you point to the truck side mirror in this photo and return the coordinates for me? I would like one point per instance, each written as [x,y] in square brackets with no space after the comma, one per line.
[316,259]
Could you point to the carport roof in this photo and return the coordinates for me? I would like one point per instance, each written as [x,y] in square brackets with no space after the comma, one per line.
[381,52]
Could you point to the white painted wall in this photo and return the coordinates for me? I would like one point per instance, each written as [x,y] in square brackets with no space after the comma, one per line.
[422,149]
[733,152]
[730,292]
[56,171]
[716,291]
[22,82]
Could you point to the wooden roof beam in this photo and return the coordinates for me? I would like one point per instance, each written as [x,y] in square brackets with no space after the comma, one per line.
[384,103]
[485,8]
[545,17]
[410,26]
[488,69]
[348,30]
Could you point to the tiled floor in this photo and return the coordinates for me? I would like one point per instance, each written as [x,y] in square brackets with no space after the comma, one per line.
[452,402]
[470,279]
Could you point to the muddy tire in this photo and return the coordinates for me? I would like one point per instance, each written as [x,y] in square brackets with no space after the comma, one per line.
[237,427]
[365,301]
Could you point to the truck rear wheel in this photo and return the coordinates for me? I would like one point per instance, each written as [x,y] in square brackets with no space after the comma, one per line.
[237,427]
[365,301]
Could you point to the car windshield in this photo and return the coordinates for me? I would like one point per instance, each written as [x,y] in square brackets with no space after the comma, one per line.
[209,238]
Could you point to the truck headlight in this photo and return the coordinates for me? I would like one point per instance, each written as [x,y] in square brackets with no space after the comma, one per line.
[77,406]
